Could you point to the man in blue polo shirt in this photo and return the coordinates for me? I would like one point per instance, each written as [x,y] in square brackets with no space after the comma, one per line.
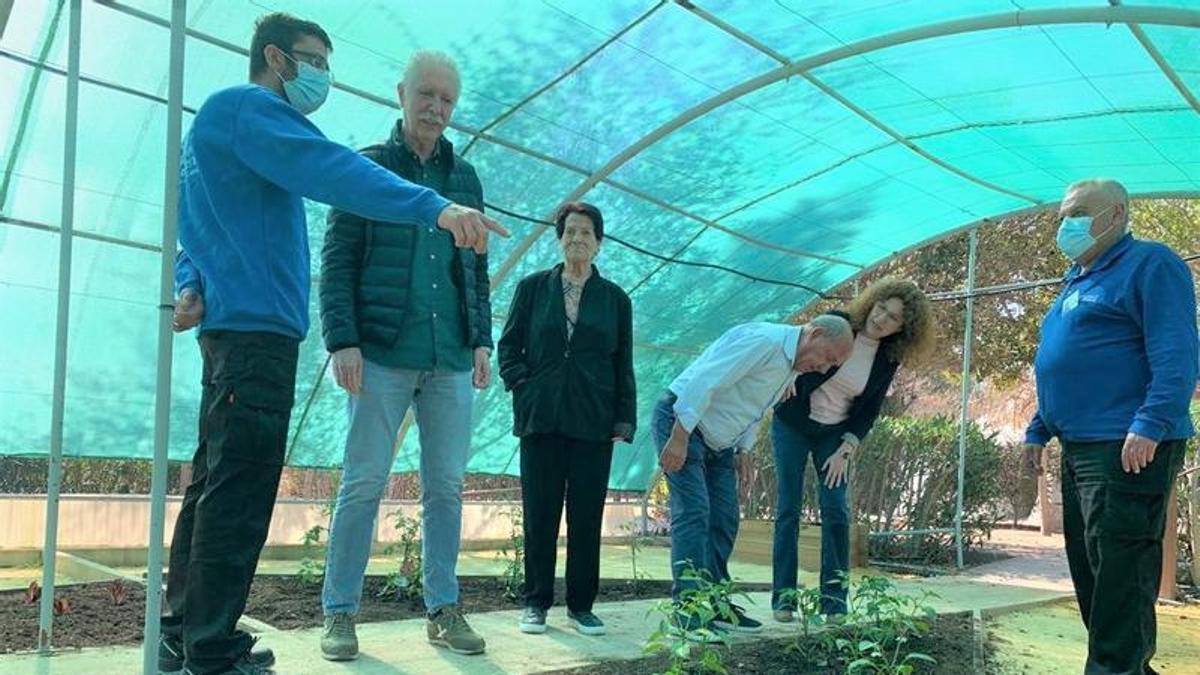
[243,276]
[1116,369]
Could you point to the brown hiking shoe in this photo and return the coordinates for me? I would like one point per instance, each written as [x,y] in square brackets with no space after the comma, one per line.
[448,628]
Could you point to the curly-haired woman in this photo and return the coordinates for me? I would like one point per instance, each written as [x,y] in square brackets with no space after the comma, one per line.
[828,418]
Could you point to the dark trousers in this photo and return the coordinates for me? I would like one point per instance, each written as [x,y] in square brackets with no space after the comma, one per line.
[1113,525]
[552,467]
[792,449]
[248,389]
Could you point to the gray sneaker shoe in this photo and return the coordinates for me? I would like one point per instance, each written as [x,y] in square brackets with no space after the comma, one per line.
[448,628]
[338,642]
[533,620]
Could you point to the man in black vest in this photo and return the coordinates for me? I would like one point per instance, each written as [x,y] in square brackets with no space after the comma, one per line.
[408,320]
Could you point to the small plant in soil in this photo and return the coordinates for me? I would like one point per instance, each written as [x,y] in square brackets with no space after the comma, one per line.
[406,580]
[875,634]
[513,555]
[118,591]
[685,631]
[635,548]
[312,565]
[312,569]
[33,593]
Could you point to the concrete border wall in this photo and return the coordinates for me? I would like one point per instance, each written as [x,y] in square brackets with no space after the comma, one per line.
[122,521]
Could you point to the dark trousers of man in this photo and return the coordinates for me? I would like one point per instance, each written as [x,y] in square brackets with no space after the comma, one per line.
[554,467]
[248,389]
[1113,525]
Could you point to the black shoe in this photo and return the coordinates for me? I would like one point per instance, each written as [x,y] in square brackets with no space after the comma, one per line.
[586,623]
[739,622]
[253,662]
[533,621]
[170,655]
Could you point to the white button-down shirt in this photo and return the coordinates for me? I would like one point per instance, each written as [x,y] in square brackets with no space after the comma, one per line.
[728,389]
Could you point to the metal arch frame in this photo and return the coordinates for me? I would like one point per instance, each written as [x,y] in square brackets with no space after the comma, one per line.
[1015,19]
[479,134]
[563,75]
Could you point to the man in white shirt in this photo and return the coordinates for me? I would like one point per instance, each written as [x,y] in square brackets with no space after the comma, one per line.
[711,413]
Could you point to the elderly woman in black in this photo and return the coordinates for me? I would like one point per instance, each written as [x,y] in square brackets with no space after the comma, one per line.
[567,356]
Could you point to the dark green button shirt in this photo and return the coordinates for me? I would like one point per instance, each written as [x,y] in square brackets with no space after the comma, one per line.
[432,335]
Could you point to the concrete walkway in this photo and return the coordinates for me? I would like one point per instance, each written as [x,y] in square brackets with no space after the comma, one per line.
[401,646]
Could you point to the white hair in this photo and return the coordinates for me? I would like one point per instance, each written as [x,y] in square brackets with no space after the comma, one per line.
[1110,191]
[425,58]
[834,327]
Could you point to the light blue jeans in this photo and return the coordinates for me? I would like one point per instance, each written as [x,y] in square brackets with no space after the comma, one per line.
[443,414]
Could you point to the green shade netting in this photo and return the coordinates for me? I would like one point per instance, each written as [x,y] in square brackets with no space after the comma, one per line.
[808,179]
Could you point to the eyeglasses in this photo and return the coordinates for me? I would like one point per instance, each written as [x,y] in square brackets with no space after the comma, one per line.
[312,58]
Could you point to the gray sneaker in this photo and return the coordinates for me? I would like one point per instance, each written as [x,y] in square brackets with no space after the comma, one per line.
[338,642]
[448,628]
[533,620]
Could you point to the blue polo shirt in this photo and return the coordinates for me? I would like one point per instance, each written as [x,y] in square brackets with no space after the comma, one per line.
[1119,350]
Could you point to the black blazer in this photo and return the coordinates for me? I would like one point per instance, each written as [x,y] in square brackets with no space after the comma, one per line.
[863,410]
[583,388]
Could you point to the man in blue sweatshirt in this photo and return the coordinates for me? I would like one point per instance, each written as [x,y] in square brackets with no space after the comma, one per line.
[243,276]
[1115,370]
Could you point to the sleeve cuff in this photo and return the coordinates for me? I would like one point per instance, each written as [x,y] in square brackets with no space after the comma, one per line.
[1036,438]
[436,205]
[623,430]
[1148,429]
[686,416]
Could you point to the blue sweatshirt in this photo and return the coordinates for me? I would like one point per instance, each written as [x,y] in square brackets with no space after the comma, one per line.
[1119,350]
[246,164]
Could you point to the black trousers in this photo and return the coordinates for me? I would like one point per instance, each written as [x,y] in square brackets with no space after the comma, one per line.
[1113,525]
[552,467]
[248,389]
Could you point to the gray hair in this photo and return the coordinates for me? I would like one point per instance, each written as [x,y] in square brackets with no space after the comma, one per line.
[425,58]
[1111,191]
[834,327]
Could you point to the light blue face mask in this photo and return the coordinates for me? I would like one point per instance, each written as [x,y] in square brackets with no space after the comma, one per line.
[1075,236]
[308,90]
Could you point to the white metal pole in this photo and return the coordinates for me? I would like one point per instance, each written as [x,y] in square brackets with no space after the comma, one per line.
[965,404]
[54,473]
[162,398]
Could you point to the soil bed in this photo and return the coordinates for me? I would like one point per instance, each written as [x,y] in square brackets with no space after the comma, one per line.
[949,641]
[288,602]
[284,602]
[93,620]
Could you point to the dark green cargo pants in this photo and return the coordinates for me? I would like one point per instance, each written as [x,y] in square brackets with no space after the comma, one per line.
[1113,524]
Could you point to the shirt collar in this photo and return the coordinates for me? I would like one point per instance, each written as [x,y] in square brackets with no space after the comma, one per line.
[439,152]
[1105,259]
[791,342]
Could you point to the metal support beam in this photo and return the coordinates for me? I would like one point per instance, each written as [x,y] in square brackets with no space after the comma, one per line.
[965,403]
[896,136]
[65,242]
[5,11]
[1165,67]
[162,393]
[481,134]
[1014,19]
[562,76]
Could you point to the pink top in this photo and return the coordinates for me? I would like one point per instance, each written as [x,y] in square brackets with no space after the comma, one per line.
[830,403]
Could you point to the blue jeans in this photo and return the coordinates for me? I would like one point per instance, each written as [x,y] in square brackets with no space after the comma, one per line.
[443,405]
[703,501]
[792,449]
